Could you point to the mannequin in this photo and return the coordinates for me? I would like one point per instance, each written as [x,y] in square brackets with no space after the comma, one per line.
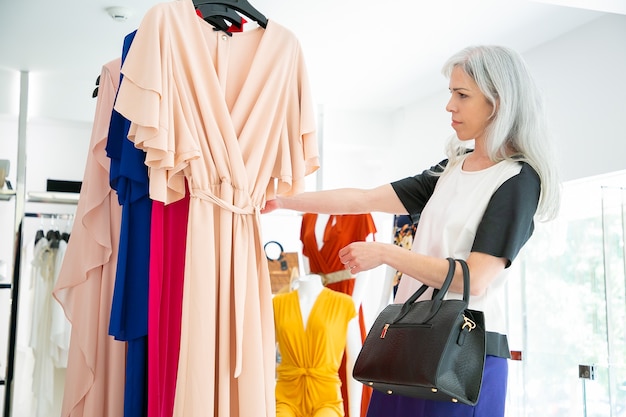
[321,245]
[308,287]
[311,330]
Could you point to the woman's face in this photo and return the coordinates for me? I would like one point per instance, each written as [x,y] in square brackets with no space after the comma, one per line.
[469,107]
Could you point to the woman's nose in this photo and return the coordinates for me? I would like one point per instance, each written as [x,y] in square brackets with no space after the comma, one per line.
[450,106]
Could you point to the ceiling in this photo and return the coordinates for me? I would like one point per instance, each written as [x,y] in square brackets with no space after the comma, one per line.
[359,53]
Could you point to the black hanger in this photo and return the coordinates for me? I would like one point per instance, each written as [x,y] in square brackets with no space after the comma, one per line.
[39,235]
[217,15]
[242,6]
[95,91]
[221,11]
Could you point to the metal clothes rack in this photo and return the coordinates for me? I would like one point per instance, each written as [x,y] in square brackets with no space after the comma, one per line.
[15,289]
[19,210]
[59,216]
[10,369]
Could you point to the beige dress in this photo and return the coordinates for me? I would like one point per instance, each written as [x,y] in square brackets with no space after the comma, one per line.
[94,382]
[234,118]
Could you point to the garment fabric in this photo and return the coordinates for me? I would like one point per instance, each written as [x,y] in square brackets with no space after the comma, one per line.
[489,211]
[492,398]
[403,234]
[94,382]
[308,383]
[232,117]
[49,330]
[167,268]
[129,310]
[339,231]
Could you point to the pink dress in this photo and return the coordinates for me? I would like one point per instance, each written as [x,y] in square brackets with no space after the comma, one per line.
[94,382]
[233,117]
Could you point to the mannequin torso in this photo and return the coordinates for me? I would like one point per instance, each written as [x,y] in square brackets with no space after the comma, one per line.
[309,287]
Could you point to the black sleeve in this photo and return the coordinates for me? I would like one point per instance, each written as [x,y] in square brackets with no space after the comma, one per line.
[508,221]
[414,192]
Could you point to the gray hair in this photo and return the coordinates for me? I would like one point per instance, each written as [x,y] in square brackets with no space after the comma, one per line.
[518,128]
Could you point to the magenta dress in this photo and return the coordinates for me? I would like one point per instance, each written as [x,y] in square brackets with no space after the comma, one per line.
[167,268]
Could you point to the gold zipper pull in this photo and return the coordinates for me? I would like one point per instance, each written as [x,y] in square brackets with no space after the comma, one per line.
[384,332]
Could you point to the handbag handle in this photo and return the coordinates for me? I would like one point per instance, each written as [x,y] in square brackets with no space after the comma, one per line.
[279,246]
[438,297]
[450,277]
[281,257]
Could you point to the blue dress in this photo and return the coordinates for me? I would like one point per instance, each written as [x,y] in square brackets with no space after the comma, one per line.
[129,309]
[490,403]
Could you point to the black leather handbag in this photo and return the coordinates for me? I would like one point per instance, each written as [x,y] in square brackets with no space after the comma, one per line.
[433,349]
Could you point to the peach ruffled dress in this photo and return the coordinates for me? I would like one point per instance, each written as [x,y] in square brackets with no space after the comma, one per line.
[233,117]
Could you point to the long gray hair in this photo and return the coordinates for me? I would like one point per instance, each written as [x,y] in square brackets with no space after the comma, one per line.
[518,128]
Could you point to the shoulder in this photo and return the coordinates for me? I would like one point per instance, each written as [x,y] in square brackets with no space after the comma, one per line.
[284,37]
[340,301]
[282,297]
[337,296]
[427,178]
[524,179]
[414,192]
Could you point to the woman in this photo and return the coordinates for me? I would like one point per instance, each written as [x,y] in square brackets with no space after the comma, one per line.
[477,205]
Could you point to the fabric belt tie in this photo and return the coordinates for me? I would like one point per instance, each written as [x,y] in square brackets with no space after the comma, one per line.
[208,196]
[337,276]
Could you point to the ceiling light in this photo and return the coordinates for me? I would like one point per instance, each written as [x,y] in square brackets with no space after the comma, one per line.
[118,13]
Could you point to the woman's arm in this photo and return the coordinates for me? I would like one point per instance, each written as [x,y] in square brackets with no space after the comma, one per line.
[341,201]
[362,256]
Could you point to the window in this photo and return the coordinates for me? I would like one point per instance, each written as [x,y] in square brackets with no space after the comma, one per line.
[568,307]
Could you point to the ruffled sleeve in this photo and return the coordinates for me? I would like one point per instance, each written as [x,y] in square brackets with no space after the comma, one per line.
[301,157]
[147,97]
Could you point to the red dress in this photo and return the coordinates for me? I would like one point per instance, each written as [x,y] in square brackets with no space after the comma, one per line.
[324,260]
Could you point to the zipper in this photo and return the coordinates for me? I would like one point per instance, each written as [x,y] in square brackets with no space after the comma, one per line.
[386,327]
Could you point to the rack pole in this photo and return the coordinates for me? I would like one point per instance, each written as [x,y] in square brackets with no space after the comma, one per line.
[20,201]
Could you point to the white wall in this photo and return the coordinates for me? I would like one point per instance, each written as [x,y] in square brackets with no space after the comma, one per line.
[55,150]
[10,97]
[583,76]
[8,150]
[51,98]
[357,147]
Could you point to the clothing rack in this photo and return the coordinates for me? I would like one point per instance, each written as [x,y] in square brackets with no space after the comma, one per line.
[8,380]
[59,216]
[15,288]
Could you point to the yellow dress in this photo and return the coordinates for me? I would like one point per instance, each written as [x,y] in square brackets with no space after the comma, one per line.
[308,383]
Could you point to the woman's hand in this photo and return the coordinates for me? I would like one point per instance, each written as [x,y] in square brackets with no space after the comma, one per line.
[270,206]
[362,256]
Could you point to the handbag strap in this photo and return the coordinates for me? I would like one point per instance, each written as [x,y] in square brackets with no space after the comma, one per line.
[444,287]
[446,284]
[439,294]
[281,250]
[466,279]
